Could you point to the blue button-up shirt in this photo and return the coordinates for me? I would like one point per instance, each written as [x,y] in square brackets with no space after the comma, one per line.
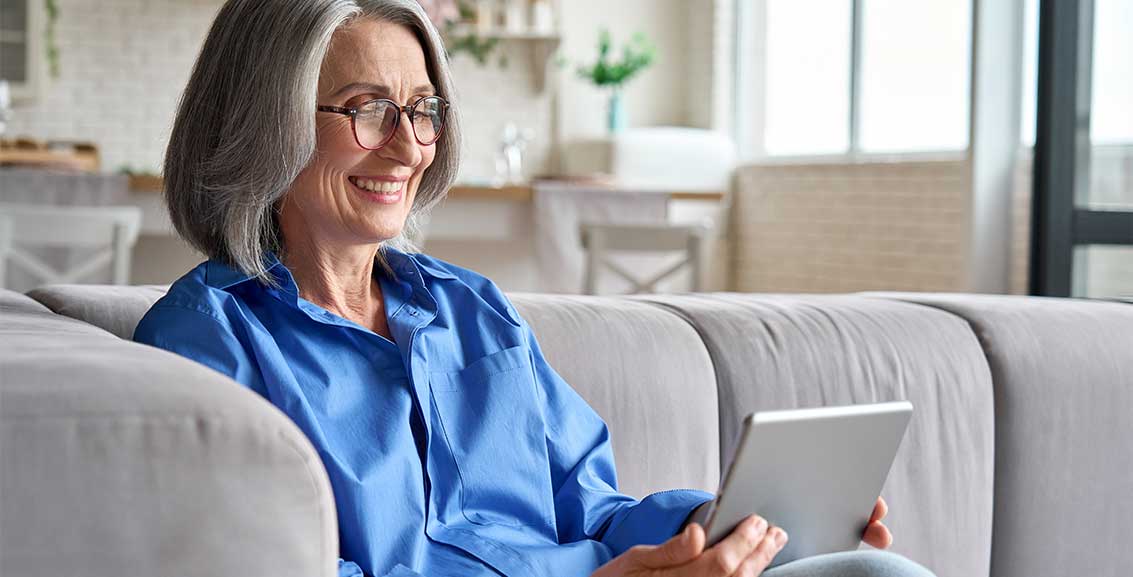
[454,449]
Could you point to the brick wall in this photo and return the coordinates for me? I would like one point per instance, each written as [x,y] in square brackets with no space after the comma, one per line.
[124,63]
[836,227]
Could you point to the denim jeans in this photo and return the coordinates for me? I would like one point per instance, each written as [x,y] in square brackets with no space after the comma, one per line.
[866,563]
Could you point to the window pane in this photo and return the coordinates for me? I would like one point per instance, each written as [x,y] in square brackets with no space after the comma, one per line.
[915,75]
[1111,118]
[13,15]
[1111,115]
[807,77]
[13,61]
[1030,70]
[1103,271]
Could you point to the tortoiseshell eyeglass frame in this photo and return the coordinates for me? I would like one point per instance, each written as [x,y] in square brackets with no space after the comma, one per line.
[409,110]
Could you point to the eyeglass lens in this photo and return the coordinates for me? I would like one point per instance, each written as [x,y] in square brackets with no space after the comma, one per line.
[377,120]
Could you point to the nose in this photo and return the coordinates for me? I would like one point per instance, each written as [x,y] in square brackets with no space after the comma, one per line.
[403,148]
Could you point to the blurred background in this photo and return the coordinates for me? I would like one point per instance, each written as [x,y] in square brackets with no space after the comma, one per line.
[743,145]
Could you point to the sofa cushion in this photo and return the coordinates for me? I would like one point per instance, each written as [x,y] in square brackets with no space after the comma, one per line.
[14,301]
[646,372]
[121,459]
[1063,376]
[117,309]
[779,352]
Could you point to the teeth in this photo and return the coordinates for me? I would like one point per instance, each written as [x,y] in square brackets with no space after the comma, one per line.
[380,186]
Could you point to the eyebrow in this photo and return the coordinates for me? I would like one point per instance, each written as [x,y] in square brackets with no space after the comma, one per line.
[379,88]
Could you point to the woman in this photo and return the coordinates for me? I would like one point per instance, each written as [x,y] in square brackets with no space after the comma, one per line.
[310,137]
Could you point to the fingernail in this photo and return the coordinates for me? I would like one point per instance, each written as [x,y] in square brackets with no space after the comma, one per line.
[780,537]
[761,524]
[686,535]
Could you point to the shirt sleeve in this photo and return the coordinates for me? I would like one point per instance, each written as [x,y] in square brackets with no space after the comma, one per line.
[587,502]
[200,337]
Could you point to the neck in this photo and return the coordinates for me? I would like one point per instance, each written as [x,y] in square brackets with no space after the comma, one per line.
[340,280]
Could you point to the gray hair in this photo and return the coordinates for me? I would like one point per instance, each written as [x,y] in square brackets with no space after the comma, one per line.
[245,127]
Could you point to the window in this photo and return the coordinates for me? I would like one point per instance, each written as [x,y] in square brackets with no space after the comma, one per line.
[1111,118]
[808,77]
[915,75]
[20,45]
[848,76]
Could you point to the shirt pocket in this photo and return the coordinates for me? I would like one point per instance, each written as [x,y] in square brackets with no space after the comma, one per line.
[495,431]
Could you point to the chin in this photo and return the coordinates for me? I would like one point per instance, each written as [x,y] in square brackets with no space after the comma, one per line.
[383,233]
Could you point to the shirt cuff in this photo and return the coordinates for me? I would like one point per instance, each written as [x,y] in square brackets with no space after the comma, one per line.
[654,520]
[349,569]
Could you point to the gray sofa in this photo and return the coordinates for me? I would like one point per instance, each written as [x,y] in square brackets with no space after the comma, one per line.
[119,459]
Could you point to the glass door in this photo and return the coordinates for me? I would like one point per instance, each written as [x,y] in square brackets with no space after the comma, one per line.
[1082,220]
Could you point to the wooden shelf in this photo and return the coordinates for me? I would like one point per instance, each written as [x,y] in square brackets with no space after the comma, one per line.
[525,192]
[518,193]
[146,183]
[512,193]
[540,46]
[76,160]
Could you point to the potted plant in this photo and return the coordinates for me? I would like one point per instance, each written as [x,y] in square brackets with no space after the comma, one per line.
[452,17]
[611,74]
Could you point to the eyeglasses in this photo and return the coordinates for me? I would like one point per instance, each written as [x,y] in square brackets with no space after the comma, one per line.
[375,121]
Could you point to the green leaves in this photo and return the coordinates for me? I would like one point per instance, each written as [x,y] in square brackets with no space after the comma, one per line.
[52,46]
[636,56]
[476,47]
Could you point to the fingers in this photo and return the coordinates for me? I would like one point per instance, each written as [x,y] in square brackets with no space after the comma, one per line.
[880,510]
[759,559]
[878,535]
[679,550]
[726,556]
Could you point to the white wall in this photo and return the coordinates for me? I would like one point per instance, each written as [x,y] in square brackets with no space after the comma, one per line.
[658,96]
[125,62]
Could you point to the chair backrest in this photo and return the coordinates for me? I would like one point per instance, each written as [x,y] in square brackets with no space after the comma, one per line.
[598,238]
[34,226]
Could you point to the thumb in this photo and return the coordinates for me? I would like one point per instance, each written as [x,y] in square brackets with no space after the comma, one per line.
[679,550]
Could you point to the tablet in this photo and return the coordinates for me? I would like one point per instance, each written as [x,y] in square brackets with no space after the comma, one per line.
[816,473]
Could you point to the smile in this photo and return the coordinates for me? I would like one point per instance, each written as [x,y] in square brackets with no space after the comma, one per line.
[383,191]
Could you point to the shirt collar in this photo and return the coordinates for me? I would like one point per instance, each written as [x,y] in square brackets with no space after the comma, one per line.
[404,264]
[222,276]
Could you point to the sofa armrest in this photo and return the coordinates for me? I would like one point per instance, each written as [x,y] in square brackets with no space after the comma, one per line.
[121,459]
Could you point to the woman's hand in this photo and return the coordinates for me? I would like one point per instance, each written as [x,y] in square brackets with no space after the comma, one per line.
[744,553]
[876,534]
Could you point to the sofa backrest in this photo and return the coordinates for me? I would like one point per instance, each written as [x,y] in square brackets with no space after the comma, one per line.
[116,309]
[792,351]
[648,374]
[1063,375]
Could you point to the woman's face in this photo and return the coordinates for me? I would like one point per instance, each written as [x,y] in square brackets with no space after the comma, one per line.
[348,195]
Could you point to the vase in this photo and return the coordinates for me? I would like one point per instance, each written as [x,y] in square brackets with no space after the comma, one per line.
[615,113]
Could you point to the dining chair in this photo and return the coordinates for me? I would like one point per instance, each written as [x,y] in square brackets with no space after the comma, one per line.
[25,228]
[599,239]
